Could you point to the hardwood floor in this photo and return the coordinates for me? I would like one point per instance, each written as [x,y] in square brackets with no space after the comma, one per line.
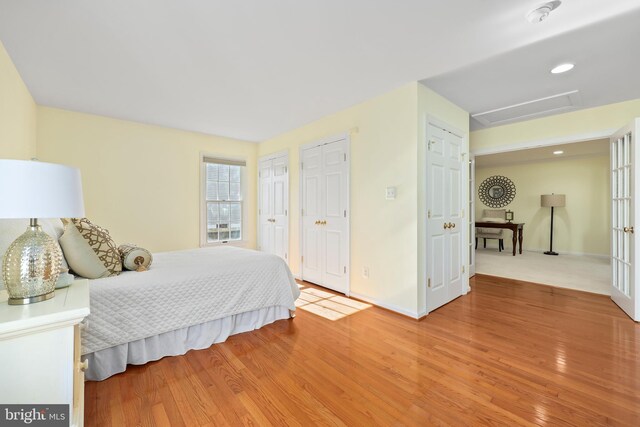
[509,353]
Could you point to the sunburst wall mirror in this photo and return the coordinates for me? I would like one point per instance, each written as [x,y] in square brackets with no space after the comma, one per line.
[497,191]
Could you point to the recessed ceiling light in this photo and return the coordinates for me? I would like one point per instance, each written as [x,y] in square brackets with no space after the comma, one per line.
[562,68]
[541,12]
[558,152]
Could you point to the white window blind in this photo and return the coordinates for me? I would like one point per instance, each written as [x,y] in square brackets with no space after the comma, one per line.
[223,199]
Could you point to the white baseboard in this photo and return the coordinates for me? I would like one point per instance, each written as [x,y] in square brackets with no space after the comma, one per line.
[388,306]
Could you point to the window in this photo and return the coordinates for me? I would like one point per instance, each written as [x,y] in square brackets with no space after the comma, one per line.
[222,199]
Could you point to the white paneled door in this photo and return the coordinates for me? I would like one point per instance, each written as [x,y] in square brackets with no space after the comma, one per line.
[324,215]
[273,211]
[624,181]
[446,199]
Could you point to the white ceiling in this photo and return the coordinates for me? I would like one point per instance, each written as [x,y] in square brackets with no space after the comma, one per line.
[256,68]
[543,154]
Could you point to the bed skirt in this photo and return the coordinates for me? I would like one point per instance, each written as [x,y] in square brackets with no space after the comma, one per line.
[113,360]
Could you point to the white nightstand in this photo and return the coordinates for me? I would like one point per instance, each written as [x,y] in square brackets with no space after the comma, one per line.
[40,350]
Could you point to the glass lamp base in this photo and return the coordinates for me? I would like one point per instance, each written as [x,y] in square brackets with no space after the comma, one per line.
[31,300]
[31,266]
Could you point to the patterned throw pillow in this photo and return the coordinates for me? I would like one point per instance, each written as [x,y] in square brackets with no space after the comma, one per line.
[89,250]
[134,257]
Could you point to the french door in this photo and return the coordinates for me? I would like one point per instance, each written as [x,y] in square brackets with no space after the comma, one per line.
[273,211]
[324,215]
[446,200]
[624,182]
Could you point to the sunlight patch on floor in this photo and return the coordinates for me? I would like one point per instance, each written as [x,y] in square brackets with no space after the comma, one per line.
[328,305]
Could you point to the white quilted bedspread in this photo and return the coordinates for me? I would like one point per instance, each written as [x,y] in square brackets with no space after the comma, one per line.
[184,288]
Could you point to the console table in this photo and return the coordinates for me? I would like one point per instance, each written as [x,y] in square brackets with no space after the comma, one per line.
[516,228]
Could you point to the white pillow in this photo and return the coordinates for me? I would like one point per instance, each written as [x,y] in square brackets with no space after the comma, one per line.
[11,229]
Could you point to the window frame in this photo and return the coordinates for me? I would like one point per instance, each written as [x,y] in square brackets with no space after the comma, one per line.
[204,241]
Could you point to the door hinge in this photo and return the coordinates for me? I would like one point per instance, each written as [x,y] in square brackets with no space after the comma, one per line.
[428,282]
[345,268]
[302,260]
[259,211]
[286,169]
[301,165]
[345,213]
[463,268]
[345,156]
[259,174]
[286,212]
[429,213]
[285,256]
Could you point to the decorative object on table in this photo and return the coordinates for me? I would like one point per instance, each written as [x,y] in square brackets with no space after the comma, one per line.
[135,257]
[508,216]
[497,191]
[33,189]
[552,201]
[89,249]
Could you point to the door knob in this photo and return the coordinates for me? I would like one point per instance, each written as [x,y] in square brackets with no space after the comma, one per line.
[452,225]
[446,225]
[323,222]
[628,230]
[317,222]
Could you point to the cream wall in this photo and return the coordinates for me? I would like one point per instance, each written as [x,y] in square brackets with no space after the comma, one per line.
[383,232]
[141,182]
[582,227]
[430,104]
[387,136]
[608,117]
[17,113]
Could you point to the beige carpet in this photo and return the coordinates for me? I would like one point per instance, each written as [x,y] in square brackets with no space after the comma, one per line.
[585,273]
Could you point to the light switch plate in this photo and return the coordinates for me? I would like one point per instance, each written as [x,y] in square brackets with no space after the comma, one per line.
[391,193]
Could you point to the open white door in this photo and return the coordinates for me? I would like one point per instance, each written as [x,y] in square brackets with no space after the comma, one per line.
[472,215]
[446,245]
[624,181]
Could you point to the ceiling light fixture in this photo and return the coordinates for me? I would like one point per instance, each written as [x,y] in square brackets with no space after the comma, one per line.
[541,12]
[558,152]
[562,68]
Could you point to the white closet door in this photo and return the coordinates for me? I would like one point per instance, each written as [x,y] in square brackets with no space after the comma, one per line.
[280,206]
[312,200]
[334,219]
[324,222]
[445,199]
[265,206]
[273,214]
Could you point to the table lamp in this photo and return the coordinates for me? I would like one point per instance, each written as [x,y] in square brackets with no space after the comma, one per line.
[552,201]
[33,189]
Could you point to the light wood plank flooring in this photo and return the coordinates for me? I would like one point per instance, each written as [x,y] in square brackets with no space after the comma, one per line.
[509,353]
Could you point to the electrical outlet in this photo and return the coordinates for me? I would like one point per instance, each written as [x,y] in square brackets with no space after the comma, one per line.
[365,272]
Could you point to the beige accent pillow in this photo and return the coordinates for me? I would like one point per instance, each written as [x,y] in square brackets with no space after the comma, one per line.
[89,250]
[134,257]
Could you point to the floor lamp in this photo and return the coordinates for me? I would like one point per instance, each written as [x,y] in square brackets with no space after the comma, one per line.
[552,201]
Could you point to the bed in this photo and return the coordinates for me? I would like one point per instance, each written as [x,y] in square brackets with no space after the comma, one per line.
[187,300]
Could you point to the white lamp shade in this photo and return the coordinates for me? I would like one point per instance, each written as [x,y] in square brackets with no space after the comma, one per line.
[32,189]
[552,200]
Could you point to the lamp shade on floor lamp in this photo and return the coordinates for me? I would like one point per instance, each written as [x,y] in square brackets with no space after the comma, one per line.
[552,201]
